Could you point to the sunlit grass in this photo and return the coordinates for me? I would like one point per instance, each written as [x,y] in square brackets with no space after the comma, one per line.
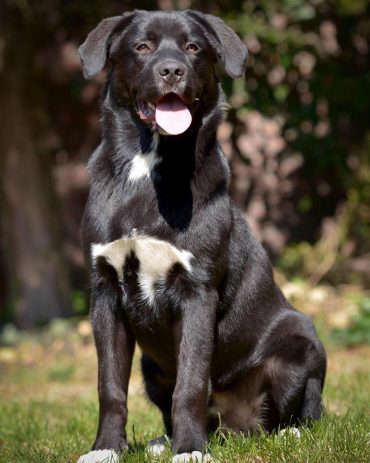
[48,410]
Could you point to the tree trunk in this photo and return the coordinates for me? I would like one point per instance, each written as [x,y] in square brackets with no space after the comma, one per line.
[36,281]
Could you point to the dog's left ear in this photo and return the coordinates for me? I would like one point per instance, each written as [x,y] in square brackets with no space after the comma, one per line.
[231,51]
[95,50]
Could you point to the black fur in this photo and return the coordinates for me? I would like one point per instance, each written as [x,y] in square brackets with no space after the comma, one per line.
[223,331]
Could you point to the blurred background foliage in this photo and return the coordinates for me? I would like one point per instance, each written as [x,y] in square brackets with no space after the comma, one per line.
[297,138]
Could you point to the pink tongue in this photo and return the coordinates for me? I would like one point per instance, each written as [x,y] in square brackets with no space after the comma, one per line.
[172,115]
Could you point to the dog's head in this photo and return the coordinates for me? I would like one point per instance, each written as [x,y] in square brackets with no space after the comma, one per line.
[163,63]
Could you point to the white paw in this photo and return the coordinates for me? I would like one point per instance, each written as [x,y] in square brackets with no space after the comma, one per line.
[193,457]
[157,446]
[291,432]
[99,456]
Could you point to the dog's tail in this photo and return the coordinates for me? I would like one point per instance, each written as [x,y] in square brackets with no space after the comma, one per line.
[312,407]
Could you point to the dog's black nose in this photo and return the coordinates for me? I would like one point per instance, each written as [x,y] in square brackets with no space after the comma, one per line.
[172,71]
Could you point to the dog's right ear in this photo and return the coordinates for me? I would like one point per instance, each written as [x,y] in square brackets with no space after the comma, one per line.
[231,52]
[95,50]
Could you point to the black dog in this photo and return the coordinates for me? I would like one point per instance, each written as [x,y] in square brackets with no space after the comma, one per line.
[173,264]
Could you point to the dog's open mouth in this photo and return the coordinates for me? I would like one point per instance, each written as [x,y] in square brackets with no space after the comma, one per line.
[170,113]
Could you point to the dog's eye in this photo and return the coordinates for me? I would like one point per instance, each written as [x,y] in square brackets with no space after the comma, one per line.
[191,47]
[143,47]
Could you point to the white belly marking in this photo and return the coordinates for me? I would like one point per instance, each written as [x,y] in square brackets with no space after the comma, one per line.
[156,258]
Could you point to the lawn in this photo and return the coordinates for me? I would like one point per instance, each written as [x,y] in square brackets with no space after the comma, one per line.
[48,405]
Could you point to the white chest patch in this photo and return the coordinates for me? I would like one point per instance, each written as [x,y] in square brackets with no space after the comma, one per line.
[142,165]
[156,258]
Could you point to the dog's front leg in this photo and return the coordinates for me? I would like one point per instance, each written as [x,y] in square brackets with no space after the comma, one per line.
[115,346]
[194,334]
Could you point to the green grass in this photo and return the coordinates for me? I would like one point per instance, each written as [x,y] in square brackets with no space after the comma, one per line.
[48,409]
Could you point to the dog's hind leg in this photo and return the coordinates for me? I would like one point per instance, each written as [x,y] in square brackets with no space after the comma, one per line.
[296,372]
[312,407]
[159,390]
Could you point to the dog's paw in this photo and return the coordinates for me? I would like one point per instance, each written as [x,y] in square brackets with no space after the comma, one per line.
[295,432]
[157,446]
[193,457]
[99,456]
